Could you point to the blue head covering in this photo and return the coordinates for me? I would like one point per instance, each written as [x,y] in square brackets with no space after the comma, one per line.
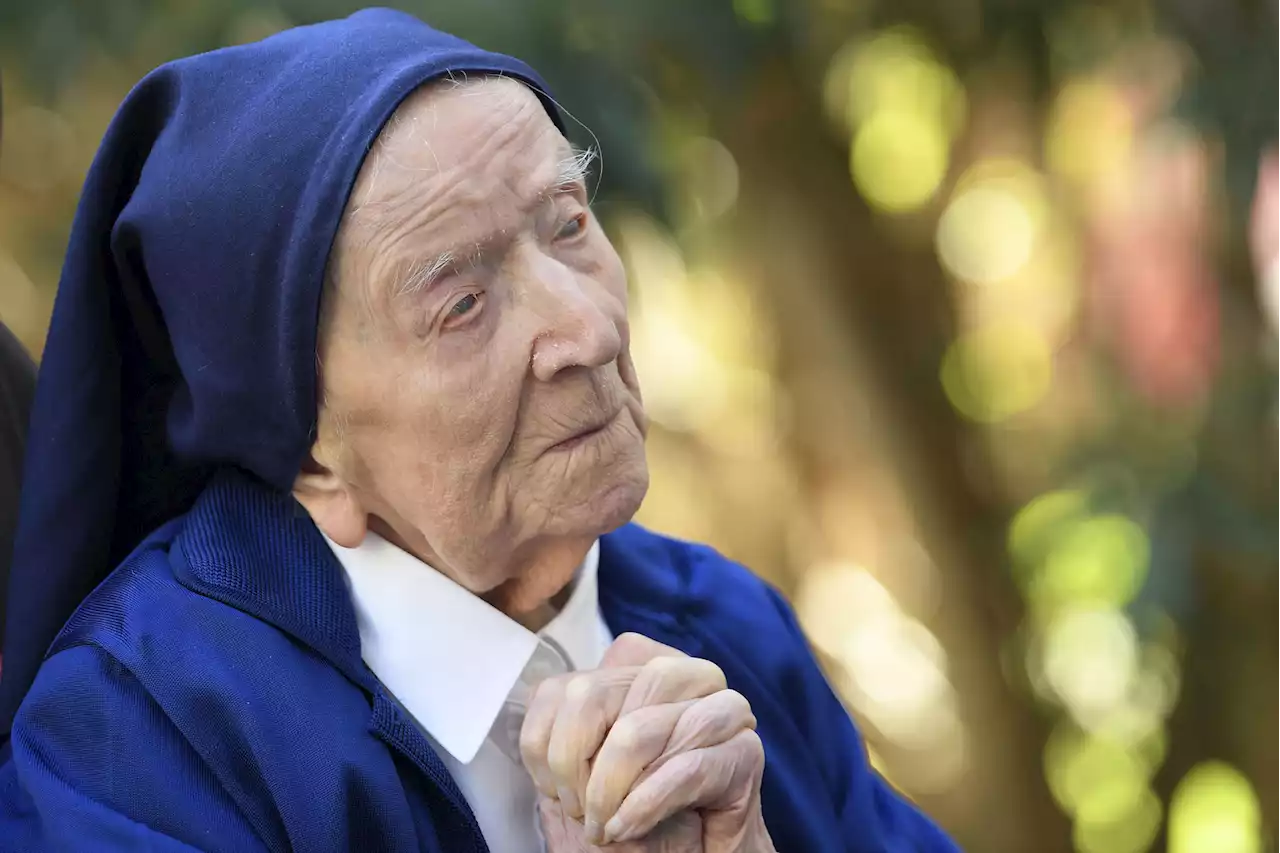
[184,332]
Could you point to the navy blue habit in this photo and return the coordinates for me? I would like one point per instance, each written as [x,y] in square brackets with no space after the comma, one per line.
[182,667]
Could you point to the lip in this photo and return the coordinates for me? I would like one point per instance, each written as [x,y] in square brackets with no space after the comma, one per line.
[585,435]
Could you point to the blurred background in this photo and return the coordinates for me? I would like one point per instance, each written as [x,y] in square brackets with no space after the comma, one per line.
[957,321]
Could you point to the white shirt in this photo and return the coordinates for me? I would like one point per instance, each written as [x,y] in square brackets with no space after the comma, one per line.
[453,662]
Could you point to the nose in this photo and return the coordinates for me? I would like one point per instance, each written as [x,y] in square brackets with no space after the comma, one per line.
[579,322]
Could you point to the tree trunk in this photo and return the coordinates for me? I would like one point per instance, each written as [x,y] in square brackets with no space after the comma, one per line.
[820,262]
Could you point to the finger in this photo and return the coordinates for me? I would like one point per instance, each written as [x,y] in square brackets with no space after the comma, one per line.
[644,740]
[559,833]
[588,707]
[710,721]
[672,679]
[634,742]
[551,714]
[632,649]
[680,833]
[708,778]
[535,733]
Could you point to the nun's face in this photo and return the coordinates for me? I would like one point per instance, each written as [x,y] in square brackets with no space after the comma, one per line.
[480,408]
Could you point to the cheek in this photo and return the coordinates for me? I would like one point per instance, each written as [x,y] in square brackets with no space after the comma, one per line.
[453,424]
[427,426]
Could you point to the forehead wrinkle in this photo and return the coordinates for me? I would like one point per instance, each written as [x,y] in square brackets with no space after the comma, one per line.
[406,221]
[475,161]
[411,273]
[395,215]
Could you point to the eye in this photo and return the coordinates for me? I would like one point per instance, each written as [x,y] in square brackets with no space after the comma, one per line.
[573,227]
[464,306]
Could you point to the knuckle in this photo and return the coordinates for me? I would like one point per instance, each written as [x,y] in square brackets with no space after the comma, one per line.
[663,664]
[752,745]
[547,692]
[578,688]
[560,759]
[716,675]
[687,767]
[556,684]
[706,674]
[630,639]
[530,743]
[735,700]
[632,643]
[642,732]
[560,763]
[626,733]
[740,708]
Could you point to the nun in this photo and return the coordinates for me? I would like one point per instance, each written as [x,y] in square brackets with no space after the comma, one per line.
[326,536]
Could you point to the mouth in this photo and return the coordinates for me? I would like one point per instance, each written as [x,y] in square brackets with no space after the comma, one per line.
[582,436]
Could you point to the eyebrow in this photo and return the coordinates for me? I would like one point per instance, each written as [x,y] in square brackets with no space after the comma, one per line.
[574,168]
[420,274]
[571,171]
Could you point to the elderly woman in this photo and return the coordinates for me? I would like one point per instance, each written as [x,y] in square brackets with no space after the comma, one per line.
[338,384]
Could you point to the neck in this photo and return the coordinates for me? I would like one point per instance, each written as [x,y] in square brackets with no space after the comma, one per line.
[541,616]
[541,584]
[538,618]
[540,578]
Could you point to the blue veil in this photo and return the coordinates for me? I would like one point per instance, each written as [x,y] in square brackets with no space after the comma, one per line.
[183,336]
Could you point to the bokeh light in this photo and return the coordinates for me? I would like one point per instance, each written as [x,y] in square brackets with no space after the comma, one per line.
[706,181]
[699,344]
[1126,826]
[834,596]
[893,71]
[1105,788]
[1098,560]
[1037,526]
[993,223]
[756,12]
[1214,808]
[893,669]
[1090,131]
[985,235]
[901,107]
[998,371]
[1090,658]
[1066,556]
[898,160]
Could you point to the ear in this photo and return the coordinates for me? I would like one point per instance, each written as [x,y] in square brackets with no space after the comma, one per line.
[330,501]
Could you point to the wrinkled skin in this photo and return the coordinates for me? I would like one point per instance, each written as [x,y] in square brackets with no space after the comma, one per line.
[563,834]
[650,752]
[476,322]
[480,410]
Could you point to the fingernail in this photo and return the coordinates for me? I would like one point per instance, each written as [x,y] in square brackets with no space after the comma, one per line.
[591,829]
[613,831]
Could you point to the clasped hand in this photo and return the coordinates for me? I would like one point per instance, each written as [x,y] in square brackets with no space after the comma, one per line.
[650,752]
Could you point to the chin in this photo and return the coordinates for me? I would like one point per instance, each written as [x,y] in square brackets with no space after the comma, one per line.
[604,496]
[587,519]
[620,501]
[617,485]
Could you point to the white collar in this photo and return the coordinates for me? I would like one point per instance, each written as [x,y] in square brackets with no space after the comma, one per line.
[448,656]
